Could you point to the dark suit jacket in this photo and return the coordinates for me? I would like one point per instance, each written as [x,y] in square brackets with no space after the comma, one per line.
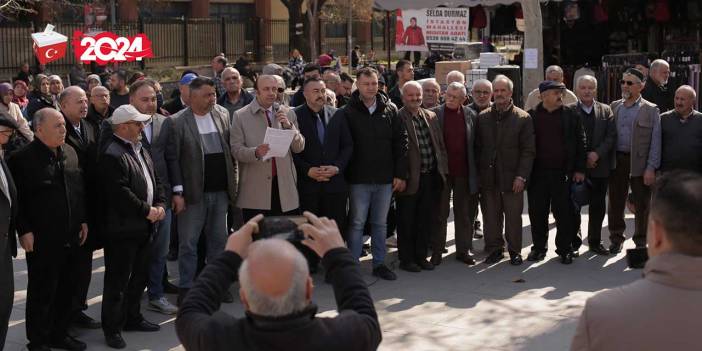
[335,151]
[185,158]
[603,139]
[506,147]
[157,150]
[174,106]
[471,130]
[414,157]
[46,183]
[573,137]
[8,248]
[123,182]
[86,147]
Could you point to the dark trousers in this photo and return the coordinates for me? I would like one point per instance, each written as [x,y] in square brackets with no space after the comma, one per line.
[463,208]
[50,284]
[502,207]
[330,205]
[596,213]
[126,272]
[7,287]
[415,214]
[619,182]
[549,191]
[417,56]
[248,213]
[83,271]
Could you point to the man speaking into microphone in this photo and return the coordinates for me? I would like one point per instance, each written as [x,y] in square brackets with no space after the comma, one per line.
[266,186]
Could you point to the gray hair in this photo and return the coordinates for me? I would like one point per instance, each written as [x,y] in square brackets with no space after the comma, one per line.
[503,78]
[266,77]
[554,68]
[457,86]
[280,80]
[65,93]
[99,87]
[585,78]
[41,116]
[689,89]
[484,82]
[292,301]
[658,63]
[456,74]
[432,81]
[231,70]
[412,83]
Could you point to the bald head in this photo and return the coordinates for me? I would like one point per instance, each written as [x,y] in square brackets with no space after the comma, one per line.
[430,93]
[274,279]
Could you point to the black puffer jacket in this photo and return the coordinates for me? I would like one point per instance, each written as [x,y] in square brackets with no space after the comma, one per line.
[379,142]
[123,183]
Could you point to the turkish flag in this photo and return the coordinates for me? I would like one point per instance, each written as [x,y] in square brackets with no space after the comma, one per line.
[49,45]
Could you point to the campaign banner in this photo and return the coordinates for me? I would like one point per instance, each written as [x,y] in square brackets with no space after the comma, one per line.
[431,29]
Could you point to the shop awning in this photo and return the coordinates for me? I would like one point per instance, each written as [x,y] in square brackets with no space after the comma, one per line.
[389,5]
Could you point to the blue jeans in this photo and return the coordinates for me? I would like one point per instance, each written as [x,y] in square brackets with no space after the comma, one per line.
[159,251]
[377,197]
[208,217]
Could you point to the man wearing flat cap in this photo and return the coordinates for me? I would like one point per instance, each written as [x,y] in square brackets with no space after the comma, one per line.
[559,161]
[638,157]
[136,203]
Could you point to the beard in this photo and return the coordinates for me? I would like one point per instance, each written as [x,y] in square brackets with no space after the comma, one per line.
[626,95]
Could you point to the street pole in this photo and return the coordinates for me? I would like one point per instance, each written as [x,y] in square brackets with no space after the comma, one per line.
[349,24]
[533,39]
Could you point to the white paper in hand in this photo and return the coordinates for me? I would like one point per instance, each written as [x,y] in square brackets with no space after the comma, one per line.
[278,141]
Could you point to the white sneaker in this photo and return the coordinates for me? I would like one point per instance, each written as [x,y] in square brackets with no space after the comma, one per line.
[162,306]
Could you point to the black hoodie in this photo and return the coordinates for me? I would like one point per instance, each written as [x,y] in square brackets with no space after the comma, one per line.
[379,141]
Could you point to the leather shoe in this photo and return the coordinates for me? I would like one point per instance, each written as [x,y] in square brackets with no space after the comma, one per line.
[516,260]
[599,249]
[536,255]
[425,265]
[143,326]
[466,258]
[567,258]
[169,288]
[115,341]
[435,260]
[575,253]
[84,321]
[410,267]
[227,298]
[494,257]
[68,343]
[615,248]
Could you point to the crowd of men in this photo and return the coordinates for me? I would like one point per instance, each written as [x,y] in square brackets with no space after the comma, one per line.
[120,169]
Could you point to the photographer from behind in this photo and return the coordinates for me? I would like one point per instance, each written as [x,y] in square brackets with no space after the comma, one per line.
[276,291]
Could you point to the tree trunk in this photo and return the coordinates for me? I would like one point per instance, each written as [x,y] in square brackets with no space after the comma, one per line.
[312,22]
[296,16]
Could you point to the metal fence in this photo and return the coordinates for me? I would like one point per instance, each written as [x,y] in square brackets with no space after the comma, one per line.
[184,42]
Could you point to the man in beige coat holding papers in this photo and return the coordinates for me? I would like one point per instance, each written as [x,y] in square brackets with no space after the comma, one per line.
[266,186]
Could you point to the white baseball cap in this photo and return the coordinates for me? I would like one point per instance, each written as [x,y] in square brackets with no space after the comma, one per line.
[128,113]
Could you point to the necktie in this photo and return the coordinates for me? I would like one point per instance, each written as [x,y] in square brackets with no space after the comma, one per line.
[320,128]
[274,171]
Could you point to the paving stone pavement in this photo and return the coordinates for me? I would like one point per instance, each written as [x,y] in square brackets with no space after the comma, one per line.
[455,307]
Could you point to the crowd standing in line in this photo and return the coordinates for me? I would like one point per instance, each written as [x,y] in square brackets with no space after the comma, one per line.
[121,169]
